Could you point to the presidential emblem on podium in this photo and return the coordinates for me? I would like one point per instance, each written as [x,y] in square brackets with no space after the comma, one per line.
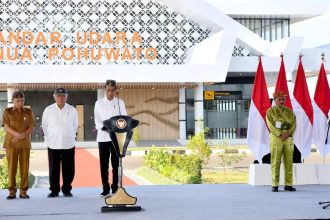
[120,130]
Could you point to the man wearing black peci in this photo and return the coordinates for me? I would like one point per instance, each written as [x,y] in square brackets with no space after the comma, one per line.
[60,125]
[105,108]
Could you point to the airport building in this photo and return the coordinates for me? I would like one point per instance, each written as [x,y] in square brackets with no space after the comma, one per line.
[180,65]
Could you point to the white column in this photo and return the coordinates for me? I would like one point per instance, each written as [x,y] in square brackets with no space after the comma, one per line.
[289,76]
[289,82]
[182,114]
[199,109]
[10,92]
[100,93]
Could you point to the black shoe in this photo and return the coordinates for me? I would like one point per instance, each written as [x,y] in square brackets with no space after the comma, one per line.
[289,188]
[11,197]
[275,189]
[104,194]
[26,196]
[114,190]
[52,195]
[69,194]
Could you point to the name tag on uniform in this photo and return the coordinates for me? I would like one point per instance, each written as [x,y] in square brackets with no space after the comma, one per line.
[278,124]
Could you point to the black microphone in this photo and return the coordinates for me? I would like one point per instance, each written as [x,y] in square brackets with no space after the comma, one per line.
[118,103]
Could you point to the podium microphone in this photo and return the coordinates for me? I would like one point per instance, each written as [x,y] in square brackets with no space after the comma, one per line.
[117,94]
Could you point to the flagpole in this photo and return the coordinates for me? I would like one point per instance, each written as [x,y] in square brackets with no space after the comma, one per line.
[303,109]
[257,132]
[326,139]
[322,58]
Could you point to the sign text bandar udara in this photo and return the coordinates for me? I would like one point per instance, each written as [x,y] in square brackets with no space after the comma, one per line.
[95,46]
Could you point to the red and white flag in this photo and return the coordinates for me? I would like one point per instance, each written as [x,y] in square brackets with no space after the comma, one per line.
[258,133]
[282,85]
[321,107]
[303,110]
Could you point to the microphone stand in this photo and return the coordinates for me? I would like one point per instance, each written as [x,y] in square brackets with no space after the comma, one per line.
[120,167]
[326,142]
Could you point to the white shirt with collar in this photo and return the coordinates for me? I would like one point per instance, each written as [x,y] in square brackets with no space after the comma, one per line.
[104,110]
[60,126]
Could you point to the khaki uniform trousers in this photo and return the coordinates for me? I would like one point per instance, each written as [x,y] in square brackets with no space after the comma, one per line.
[279,148]
[15,155]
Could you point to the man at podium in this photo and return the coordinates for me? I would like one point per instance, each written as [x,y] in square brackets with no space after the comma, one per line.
[105,108]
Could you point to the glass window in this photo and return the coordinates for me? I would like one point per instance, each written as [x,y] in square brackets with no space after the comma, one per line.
[227,119]
[286,28]
[267,30]
[270,28]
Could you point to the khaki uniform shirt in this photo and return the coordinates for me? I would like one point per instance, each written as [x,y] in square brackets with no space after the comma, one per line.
[280,119]
[20,121]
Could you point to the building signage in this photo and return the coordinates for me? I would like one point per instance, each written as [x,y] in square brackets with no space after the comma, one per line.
[91,46]
[209,95]
[212,95]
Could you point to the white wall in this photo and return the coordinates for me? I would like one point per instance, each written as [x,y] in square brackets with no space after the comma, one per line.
[218,57]
[316,31]
[120,73]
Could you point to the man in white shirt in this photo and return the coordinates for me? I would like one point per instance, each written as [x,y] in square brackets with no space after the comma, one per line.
[60,125]
[105,108]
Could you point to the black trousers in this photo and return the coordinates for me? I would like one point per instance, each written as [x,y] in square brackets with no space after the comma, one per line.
[296,157]
[55,157]
[105,149]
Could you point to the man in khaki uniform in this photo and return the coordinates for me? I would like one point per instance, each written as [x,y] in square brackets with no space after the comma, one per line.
[19,123]
[281,123]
